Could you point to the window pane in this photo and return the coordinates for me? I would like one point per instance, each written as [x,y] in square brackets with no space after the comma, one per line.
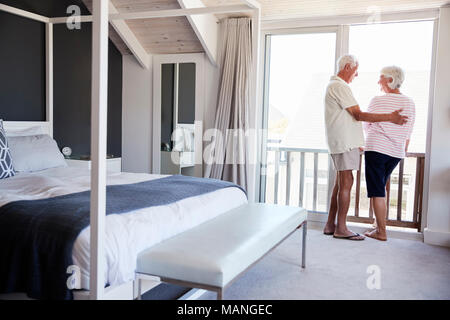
[409,46]
[300,68]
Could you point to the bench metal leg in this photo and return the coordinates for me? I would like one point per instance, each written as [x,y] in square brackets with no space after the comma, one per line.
[139,289]
[305,228]
[220,294]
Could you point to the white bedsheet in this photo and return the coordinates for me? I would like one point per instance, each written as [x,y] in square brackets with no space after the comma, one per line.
[126,234]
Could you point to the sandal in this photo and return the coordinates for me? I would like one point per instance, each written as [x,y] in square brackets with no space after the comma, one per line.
[351,237]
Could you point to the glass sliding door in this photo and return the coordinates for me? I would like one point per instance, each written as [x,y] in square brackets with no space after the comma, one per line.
[408,45]
[296,168]
[295,161]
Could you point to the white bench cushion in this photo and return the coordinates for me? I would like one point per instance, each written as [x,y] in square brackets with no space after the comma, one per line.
[217,251]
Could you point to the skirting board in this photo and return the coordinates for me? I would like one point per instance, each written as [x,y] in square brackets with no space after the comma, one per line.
[437,238]
[317,221]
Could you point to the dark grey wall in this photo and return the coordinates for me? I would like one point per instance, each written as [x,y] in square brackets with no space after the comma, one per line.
[167,79]
[47,8]
[22,75]
[186,97]
[186,93]
[22,68]
[72,86]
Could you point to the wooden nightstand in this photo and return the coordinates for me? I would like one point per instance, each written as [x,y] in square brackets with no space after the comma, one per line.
[112,164]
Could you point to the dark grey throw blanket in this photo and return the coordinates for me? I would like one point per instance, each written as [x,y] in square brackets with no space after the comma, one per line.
[37,236]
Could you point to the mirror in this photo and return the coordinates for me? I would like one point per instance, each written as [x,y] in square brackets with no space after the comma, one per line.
[178,90]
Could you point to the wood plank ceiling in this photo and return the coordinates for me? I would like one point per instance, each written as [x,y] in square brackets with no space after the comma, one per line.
[289,9]
[175,34]
[158,35]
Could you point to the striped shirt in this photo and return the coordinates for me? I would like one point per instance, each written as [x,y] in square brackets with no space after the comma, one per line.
[386,137]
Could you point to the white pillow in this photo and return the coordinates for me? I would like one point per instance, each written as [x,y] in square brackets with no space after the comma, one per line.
[24,132]
[35,153]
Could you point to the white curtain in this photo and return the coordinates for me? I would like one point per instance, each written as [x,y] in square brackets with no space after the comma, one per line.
[228,156]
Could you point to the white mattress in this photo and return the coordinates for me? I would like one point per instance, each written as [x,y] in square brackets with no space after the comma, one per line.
[126,234]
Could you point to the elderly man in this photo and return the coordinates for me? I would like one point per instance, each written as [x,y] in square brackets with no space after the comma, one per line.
[345,139]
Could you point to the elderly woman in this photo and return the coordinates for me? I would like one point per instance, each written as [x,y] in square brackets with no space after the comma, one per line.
[386,143]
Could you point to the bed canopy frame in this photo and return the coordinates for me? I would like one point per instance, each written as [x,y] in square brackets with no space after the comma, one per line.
[102,14]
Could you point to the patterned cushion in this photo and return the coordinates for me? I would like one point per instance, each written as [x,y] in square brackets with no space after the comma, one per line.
[6,165]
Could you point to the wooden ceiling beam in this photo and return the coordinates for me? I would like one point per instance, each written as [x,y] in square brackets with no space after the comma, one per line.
[125,33]
[254,4]
[179,12]
[164,13]
[205,28]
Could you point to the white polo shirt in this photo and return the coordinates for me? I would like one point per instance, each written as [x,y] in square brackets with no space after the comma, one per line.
[343,131]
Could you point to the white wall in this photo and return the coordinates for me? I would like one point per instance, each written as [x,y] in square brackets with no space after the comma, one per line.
[438,211]
[136,116]
[211,93]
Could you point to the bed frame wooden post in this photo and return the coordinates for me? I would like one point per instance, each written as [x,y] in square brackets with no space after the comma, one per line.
[49,75]
[98,145]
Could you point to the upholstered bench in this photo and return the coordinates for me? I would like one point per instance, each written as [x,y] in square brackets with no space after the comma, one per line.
[213,254]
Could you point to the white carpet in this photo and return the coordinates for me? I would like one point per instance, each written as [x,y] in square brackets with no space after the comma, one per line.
[336,269]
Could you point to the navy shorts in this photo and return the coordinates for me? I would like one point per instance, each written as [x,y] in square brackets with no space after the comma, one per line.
[379,167]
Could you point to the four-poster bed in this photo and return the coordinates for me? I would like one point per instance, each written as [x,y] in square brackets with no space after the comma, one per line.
[158,207]
[101,16]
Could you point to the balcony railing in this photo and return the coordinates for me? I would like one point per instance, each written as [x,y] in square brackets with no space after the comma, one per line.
[298,176]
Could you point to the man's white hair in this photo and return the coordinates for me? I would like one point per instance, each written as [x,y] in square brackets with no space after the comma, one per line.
[347,58]
[397,75]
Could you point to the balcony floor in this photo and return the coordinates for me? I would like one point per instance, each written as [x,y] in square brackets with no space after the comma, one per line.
[336,269]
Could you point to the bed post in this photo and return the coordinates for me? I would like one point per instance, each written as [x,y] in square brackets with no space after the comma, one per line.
[49,75]
[98,145]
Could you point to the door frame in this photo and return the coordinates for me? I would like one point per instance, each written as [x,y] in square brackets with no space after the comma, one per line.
[158,60]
